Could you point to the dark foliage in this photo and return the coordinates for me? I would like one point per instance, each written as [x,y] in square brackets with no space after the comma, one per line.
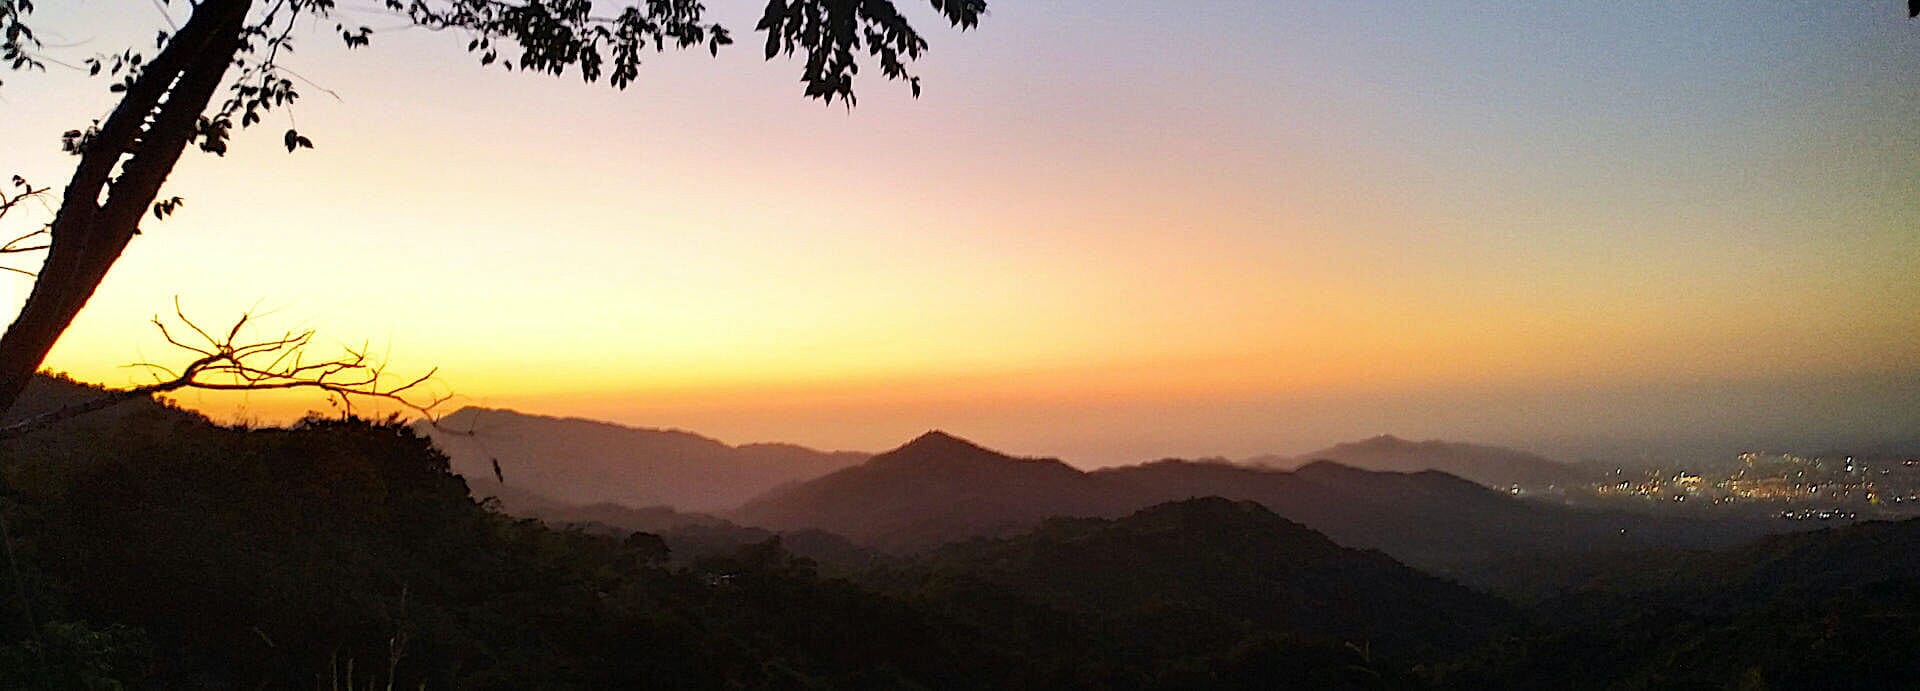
[1829,609]
[158,550]
[152,549]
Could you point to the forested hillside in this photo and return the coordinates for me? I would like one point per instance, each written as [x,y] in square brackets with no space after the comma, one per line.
[151,548]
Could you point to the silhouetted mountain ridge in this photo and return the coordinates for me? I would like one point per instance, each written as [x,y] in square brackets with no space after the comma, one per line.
[940,489]
[933,489]
[937,448]
[1493,466]
[580,462]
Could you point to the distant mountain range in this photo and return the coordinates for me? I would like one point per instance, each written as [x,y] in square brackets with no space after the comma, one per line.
[939,488]
[171,551]
[1493,466]
[580,462]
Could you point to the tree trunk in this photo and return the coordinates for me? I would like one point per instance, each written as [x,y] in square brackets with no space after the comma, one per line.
[152,125]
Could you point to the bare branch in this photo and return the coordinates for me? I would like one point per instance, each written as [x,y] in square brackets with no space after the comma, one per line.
[178,312]
[228,362]
[22,192]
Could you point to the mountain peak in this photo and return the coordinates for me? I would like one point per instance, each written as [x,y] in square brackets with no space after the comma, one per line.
[937,449]
[937,436]
[938,442]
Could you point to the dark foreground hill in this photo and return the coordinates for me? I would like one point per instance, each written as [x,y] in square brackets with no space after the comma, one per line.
[691,537]
[1204,569]
[50,393]
[153,549]
[344,554]
[939,488]
[156,550]
[578,462]
[1493,466]
[1830,609]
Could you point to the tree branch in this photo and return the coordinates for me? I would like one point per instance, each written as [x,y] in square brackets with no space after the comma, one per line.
[225,361]
[23,191]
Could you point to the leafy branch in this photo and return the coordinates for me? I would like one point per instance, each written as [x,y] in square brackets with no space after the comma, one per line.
[17,41]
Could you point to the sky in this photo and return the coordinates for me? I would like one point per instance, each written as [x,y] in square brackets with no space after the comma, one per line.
[1107,231]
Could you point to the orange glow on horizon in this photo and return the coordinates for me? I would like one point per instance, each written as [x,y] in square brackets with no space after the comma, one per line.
[1096,229]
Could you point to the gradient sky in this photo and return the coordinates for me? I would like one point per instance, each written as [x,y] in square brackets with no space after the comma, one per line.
[1108,231]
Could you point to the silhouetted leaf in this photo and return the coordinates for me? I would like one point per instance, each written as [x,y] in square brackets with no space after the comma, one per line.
[294,141]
